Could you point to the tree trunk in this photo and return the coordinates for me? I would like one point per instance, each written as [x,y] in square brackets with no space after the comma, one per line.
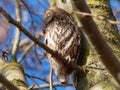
[101,78]
[98,77]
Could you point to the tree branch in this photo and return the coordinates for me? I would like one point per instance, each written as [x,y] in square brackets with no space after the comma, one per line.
[48,85]
[99,17]
[30,46]
[35,77]
[17,33]
[51,78]
[25,51]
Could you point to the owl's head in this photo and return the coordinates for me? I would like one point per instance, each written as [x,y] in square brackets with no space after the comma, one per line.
[52,14]
[62,74]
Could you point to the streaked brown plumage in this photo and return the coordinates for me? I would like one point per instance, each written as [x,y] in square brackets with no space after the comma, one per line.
[62,35]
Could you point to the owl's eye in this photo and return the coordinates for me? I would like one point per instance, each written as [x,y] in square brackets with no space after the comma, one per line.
[48,18]
[48,15]
[49,12]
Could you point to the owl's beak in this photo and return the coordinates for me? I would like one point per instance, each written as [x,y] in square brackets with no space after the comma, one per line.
[63,80]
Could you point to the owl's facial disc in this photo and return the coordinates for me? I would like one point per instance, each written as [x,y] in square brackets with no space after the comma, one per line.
[48,16]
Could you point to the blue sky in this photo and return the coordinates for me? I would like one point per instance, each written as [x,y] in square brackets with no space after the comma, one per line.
[115,5]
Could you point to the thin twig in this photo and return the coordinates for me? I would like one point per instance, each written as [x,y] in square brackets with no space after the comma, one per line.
[36,78]
[25,52]
[97,68]
[99,17]
[30,46]
[28,10]
[36,83]
[54,84]
[51,78]
[33,79]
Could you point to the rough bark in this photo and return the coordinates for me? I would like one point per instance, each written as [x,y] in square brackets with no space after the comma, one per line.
[102,78]
[14,73]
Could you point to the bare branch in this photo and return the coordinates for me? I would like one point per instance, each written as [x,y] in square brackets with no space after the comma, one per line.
[25,42]
[17,33]
[28,10]
[51,78]
[25,51]
[35,82]
[54,84]
[30,76]
[99,17]
[35,77]
[30,46]
[97,68]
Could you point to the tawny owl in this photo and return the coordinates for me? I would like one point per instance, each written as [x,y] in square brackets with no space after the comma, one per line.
[63,36]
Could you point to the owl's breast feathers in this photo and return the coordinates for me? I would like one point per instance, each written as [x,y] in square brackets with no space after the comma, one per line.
[63,38]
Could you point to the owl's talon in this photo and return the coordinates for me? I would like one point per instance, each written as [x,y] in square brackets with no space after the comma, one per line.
[68,59]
